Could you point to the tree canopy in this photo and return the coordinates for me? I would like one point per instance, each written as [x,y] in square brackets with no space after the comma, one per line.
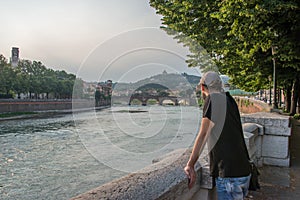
[33,78]
[240,37]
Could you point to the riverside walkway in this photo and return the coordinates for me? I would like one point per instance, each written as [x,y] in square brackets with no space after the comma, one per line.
[280,183]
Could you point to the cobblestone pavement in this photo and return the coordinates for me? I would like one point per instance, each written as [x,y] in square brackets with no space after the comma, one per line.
[280,183]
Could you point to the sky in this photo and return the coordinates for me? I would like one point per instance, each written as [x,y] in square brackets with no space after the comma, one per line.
[94,39]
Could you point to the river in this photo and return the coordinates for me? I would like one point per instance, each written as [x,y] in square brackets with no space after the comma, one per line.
[61,156]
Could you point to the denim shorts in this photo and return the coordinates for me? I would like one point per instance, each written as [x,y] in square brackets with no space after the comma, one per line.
[232,188]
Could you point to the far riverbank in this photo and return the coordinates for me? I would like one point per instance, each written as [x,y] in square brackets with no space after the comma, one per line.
[44,114]
[35,107]
[25,105]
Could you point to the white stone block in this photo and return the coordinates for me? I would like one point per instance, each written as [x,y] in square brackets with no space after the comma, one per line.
[261,129]
[250,143]
[285,123]
[275,146]
[258,146]
[272,142]
[249,139]
[284,162]
[275,130]
[249,119]
[251,128]
[271,122]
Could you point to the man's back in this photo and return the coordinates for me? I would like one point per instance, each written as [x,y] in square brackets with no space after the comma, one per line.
[228,155]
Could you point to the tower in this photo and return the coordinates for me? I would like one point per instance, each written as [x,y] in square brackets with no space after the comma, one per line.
[14,56]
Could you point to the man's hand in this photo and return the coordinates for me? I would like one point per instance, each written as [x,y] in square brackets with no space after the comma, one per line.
[191,174]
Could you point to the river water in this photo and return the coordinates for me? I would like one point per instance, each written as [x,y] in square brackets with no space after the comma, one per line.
[61,156]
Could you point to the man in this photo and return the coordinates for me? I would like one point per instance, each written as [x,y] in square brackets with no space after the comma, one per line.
[222,129]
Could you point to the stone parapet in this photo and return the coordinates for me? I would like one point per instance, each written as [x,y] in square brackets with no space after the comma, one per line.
[271,132]
[253,139]
[273,123]
[165,179]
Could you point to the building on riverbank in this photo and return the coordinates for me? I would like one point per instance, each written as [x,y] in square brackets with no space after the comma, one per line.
[103,93]
[14,56]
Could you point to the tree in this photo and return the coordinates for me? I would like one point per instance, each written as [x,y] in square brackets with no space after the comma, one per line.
[38,71]
[50,82]
[78,89]
[97,98]
[238,35]
[7,79]
[64,83]
[21,83]
[34,78]
[3,61]
[262,27]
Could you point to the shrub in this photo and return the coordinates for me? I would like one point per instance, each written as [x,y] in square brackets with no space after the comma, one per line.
[297,116]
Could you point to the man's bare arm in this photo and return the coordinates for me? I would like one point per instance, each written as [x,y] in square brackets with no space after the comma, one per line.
[206,126]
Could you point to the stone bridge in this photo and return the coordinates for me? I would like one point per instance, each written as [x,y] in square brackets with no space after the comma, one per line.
[145,97]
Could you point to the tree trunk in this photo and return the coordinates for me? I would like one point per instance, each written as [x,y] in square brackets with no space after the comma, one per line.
[279,98]
[287,92]
[298,106]
[287,98]
[295,95]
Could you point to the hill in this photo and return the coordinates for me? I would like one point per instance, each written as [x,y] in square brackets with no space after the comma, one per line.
[171,81]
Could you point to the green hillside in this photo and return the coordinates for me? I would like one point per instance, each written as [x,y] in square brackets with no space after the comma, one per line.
[167,81]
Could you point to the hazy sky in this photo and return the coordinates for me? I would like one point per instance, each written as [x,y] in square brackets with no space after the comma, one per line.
[95,39]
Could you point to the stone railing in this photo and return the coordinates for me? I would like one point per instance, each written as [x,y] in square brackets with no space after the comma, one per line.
[269,142]
[164,179]
[266,136]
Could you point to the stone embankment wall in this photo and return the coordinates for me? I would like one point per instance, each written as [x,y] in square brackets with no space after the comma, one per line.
[43,105]
[267,139]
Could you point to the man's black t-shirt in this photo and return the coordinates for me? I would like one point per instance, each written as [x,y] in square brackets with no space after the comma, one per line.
[228,151]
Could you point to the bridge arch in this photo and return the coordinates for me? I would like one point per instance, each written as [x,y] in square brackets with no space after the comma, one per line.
[134,101]
[170,98]
[144,98]
[153,91]
[152,100]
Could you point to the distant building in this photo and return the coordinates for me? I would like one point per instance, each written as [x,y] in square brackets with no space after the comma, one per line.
[89,89]
[103,93]
[14,56]
[105,88]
